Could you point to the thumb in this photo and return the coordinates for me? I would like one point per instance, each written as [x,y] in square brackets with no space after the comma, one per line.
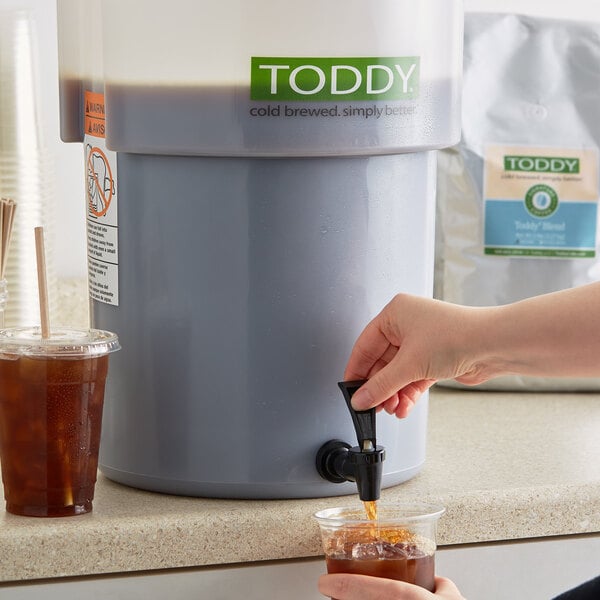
[381,386]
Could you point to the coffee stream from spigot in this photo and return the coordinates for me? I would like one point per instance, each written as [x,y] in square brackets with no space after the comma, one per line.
[338,462]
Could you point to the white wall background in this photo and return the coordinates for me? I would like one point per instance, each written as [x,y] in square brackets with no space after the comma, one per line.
[69,242]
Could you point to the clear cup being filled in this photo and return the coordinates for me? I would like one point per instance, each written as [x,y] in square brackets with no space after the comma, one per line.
[398,544]
[51,400]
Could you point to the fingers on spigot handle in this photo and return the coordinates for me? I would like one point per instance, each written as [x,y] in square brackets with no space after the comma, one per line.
[399,402]
[377,389]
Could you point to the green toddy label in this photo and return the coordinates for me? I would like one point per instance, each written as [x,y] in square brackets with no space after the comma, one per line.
[541,164]
[334,79]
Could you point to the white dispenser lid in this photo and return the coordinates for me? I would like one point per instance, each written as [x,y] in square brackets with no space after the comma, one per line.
[262,78]
[189,42]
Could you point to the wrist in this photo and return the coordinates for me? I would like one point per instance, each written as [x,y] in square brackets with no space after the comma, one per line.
[487,345]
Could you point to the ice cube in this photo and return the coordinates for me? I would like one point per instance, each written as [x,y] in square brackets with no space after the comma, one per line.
[387,550]
[410,550]
[368,551]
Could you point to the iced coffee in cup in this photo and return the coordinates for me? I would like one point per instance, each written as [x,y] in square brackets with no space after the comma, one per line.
[51,398]
[399,544]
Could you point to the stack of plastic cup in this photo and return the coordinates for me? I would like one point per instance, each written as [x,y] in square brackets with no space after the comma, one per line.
[26,173]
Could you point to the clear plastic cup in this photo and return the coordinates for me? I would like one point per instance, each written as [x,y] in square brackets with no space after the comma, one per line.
[400,544]
[51,400]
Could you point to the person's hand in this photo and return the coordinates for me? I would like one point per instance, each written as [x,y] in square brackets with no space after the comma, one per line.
[341,586]
[412,343]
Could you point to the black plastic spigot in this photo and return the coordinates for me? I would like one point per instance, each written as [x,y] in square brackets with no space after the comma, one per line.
[337,461]
[363,420]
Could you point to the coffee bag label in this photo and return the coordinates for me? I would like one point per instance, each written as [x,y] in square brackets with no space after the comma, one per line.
[294,79]
[540,202]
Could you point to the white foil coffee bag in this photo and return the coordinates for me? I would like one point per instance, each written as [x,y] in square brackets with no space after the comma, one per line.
[517,211]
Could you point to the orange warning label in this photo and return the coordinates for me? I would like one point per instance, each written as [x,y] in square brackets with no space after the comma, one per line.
[94,117]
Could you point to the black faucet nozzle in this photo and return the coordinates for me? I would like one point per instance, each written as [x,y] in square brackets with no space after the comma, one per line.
[368,469]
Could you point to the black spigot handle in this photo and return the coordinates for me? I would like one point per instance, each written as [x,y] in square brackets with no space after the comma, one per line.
[364,420]
[338,462]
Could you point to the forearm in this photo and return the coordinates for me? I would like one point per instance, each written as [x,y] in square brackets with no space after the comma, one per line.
[554,335]
[415,341]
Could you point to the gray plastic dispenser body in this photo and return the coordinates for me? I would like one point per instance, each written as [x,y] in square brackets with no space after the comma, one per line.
[239,244]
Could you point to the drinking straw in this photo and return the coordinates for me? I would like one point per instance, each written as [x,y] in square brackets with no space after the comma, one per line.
[7,214]
[42,282]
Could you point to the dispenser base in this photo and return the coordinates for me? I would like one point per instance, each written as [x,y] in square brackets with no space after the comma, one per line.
[249,491]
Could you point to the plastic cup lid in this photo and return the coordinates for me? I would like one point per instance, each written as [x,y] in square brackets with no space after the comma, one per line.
[63,342]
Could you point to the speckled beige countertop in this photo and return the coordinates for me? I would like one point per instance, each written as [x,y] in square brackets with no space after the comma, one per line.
[506,465]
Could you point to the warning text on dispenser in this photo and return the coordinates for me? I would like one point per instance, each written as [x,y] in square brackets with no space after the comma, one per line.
[103,252]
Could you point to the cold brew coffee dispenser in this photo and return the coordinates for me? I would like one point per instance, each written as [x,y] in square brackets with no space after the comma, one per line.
[260,183]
